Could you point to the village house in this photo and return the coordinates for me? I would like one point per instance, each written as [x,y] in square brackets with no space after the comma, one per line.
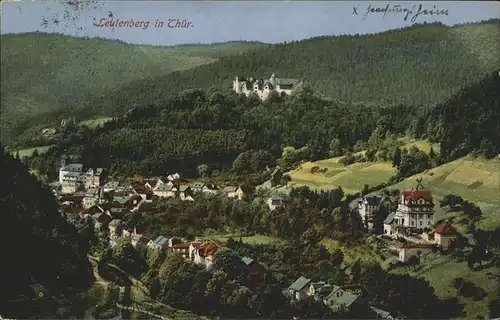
[141,189]
[444,234]
[75,200]
[382,314]
[93,178]
[127,202]
[93,196]
[339,299]
[254,270]
[138,240]
[71,182]
[165,191]
[211,189]
[196,187]
[163,243]
[72,169]
[111,186]
[182,250]
[275,202]
[263,87]
[230,192]
[319,290]
[368,205]
[299,289]
[173,177]
[202,253]
[409,249]
[415,212]
[184,193]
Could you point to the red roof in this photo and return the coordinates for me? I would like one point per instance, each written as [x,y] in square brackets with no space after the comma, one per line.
[182,245]
[445,227]
[417,194]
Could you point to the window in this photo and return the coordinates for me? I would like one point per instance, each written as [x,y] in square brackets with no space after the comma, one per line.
[421,223]
[413,223]
[429,222]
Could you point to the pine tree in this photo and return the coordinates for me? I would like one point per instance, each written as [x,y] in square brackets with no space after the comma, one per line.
[396,160]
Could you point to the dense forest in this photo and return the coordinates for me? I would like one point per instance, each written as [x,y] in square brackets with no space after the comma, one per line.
[224,130]
[39,247]
[413,65]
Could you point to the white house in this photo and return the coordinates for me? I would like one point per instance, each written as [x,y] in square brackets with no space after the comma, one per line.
[340,299]
[72,169]
[415,211]
[275,202]
[408,249]
[367,206]
[299,289]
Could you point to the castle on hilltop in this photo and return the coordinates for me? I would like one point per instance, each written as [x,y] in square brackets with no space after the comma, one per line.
[263,87]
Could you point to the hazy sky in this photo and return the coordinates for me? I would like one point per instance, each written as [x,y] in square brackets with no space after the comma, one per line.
[264,21]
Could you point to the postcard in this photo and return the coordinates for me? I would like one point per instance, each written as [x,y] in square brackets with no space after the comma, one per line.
[250,159]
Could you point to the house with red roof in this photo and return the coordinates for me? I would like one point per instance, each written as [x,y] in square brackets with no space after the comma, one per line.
[444,234]
[202,252]
[415,211]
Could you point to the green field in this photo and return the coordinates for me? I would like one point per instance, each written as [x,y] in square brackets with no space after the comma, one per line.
[252,240]
[351,178]
[93,123]
[29,151]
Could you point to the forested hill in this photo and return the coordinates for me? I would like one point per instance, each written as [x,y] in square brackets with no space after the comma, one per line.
[43,73]
[469,121]
[422,64]
[39,248]
[241,136]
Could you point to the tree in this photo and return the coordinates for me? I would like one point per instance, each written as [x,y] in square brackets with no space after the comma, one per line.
[335,148]
[452,201]
[413,261]
[202,170]
[35,153]
[228,261]
[356,271]
[432,154]
[285,179]
[396,160]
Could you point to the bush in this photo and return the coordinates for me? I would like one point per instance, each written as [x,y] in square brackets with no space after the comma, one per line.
[314,169]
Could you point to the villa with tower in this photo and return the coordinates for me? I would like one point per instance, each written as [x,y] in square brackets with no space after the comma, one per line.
[415,211]
[263,87]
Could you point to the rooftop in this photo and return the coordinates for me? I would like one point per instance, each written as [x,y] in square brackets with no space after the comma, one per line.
[445,228]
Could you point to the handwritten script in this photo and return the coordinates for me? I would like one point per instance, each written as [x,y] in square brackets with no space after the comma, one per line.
[409,12]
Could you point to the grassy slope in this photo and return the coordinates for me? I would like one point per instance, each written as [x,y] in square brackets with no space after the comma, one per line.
[42,72]
[351,178]
[477,180]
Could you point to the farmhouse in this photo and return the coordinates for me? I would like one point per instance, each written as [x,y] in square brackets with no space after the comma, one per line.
[263,87]
[299,289]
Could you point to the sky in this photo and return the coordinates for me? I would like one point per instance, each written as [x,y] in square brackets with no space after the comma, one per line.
[211,21]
